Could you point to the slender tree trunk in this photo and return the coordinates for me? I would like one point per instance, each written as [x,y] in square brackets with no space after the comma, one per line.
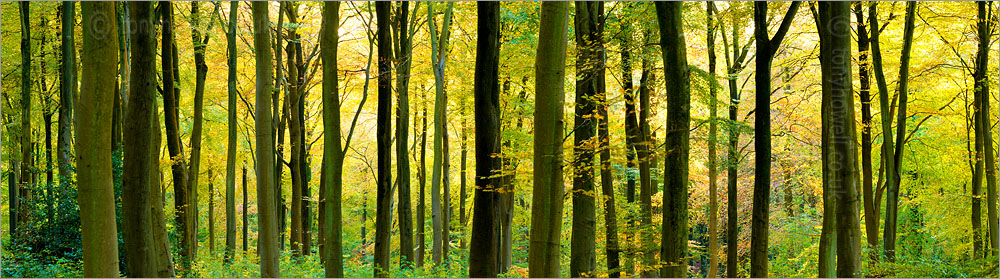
[713,192]
[463,218]
[178,166]
[246,238]
[211,215]
[547,188]
[421,205]
[439,50]
[200,42]
[267,243]
[892,200]
[644,149]
[137,225]
[484,245]
[632,135]
[161,242]
[582,240]
[734,64]
[333,156]
[982,86]
[96,193]
[675,228]
[67,88]
[767,46]
[27,158]
[403,50]
[864,78]
[293,97]
[383,134]
[231,133]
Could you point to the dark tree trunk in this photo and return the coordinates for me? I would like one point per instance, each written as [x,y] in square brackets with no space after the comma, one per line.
[713,199]
[675,181]
[231,133]
[136,218]
[246,224]
[982,85]
[267,243]
[27,158]
[864,78]
[582,241]
[766,48]
[333,153]
[484,244]
[178,167]
[200,42]
[403,48]
[164,261]
[383,135]
[421,205]
[892,198]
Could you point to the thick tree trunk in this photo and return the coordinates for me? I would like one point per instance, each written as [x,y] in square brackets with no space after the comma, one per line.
[766,48]
[267,243]
[547,188]
[582,240]
[67,89]
[403,49]
[384,142]
[136,218]
[484,248]
[96,193]
[675,182]
[839,143]
[231,133]
[333,155]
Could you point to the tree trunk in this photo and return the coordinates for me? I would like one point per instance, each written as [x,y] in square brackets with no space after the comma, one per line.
[713,192]
[403,49]
[246,239]
[982,86]
[27,158]
[267,243]
[644,148]
[96,193]
[582,240]
[484,244]
[463,218]
[333,155]
[178,167]
[211,215]
[864,78]
[421,205]
[892,200]
[733,154]
[675,181]
[231,133]
[384,142]
[547,188]
[66,98]
[199,44]
[439,50]
[161,242]
[293,99]
[137,225]
[766,48]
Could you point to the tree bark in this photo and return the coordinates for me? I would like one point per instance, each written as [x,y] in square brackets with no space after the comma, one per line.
[333,155]
[892,199]
[403,49]
[982,86]
[582,240]
[199,44]
[96,193]
[547,188]
[713,194]
[178,165]
[421,205]
[67,89]
[767,46]
[27,158]
[384,142]
[136,215]
[864,78]
[246,238]
[484,244]
[439,50]
[231,133]
[675,182]
[161,241]
[267,243]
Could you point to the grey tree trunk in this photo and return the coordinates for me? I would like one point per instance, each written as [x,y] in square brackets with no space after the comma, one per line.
[67,90]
